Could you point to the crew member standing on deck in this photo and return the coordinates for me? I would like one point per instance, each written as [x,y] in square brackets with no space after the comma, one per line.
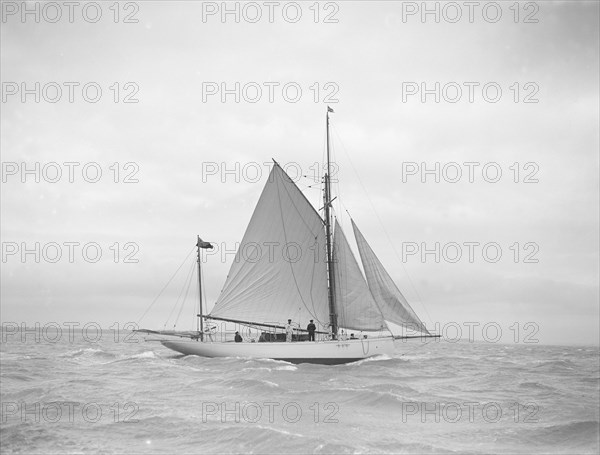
[311,330]
[289,331]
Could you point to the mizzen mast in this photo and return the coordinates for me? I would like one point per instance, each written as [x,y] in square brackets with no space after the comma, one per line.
[200,244]
[200,323]
[330,264]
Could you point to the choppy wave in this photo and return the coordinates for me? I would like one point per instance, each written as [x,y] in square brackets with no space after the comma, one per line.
[144,355]
[155,401]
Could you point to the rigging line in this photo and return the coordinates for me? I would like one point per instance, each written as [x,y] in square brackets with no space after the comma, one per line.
[292,200]
[299,192]
[165,286]
[194,307]
[314,179]
[185,296]
[336,171]
[321,170]
[179,296]
[341,282]
[351,258]
[305,187]
[383,227]
[182,305]
[335,178]
[312,280]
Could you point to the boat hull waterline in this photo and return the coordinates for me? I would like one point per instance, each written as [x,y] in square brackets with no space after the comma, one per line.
[325,352]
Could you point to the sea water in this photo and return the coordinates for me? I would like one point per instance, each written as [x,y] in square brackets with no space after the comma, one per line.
[121,394]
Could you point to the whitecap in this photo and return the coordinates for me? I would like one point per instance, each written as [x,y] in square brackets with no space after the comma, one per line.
[287,368]
[144,355]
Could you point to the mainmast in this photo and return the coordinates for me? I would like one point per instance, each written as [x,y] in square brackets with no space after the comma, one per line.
[331,274]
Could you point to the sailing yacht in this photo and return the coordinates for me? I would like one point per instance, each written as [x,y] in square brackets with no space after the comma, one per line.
[293,263]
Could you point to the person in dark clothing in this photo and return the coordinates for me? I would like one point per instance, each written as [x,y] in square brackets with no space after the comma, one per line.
[311,330]
[238,337]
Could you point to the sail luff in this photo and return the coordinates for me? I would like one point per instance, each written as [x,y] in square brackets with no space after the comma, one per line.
[391,301]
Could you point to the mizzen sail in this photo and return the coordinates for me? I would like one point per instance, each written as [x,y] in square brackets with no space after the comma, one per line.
[393,304]
[356,307]
[280,269]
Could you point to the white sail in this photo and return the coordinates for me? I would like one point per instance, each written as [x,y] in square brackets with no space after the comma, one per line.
[393,304]
[280,269]
[356,308]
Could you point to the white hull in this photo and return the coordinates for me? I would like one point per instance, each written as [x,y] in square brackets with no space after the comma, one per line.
[325,352]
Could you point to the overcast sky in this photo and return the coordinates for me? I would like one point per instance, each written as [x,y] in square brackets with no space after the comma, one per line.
[376,57]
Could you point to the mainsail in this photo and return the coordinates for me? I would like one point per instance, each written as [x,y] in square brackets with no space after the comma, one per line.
[389,299]
[280,269]
[356,307]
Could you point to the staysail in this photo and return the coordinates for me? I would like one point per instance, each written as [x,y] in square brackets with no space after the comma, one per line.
[280,269]
[356,307]
[393,304]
